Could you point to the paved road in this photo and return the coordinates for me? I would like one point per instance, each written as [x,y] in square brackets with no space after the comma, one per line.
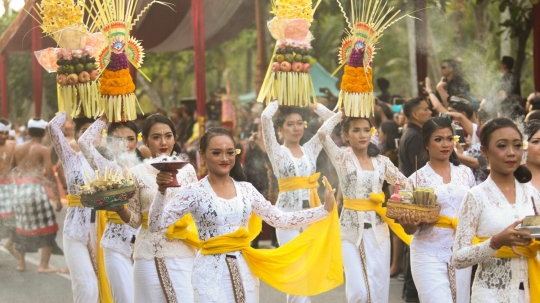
[31,287]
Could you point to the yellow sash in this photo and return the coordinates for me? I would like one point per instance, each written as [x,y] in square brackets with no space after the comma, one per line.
[375,203]
[74,200]
[183,229]
[296,183]
[530,252]
[113,217]
[308,265]
[446,222]
[103,281]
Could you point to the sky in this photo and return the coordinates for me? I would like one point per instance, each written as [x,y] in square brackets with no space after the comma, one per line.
[15,5]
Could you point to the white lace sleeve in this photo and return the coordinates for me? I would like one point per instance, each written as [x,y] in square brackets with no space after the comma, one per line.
[392,174]
[161,216]
[280,219]
[135,206]
[335,153]
[269,135]
[63,150]
[189,176]
[323,112]
[86,143]
[465,253]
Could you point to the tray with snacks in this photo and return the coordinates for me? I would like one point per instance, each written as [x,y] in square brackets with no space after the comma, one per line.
[421,203]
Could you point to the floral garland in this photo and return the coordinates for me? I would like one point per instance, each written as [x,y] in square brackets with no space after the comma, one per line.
[115,83]
[357,79]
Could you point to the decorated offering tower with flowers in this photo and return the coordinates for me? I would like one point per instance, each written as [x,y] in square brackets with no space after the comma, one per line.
[74,59]
[287,78]
[369,20]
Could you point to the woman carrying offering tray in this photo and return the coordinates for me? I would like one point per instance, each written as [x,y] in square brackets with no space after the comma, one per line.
[163,259]
[365,238]
[435,277]
[508,267]
[117,237]
[226,213]
[533,152]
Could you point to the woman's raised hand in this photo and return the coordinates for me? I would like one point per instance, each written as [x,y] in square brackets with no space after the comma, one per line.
[329,198]
[162,179]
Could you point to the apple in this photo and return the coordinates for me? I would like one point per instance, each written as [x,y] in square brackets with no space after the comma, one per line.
[275,67]
[289,58]
[298,58]
[69,69]
[306,67]
[306,59]
[297,67]
[84,77]
[93,75]
[72,79]
[285,66]
[61,79]
[79,68]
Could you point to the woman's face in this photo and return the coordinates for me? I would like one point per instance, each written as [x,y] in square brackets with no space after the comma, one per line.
[160,140]
[504,151]
[220,155]
[441,144]
[123,139]
[359,134]
[382,135]
[533,150]
[293,128]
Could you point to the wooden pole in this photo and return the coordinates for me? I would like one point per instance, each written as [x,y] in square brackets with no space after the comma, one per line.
[3,86]
[262,60]
[536,47]
[420,30]
[197,18]
[37,70]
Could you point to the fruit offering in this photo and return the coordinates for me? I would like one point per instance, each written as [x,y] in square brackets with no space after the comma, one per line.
[75,67]
[292,58]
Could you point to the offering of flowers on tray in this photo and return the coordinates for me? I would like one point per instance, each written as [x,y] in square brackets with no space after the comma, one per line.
[107,189]
[171,164]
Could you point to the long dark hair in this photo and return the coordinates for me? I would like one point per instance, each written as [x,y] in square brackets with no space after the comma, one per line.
[128,124]
[522,173]
[285,111]
[80,122]
[430,127]
[391,130]
[236,172]
[532,128]
[159,118]
[372,150]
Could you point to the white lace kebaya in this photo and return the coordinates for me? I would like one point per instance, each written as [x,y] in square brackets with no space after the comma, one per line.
[485,212]
[437,241]
[116,237]
[284,164]
[214,217]
[77,222]
[150,245]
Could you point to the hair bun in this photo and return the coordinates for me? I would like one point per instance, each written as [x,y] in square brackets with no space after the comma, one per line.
[523,174]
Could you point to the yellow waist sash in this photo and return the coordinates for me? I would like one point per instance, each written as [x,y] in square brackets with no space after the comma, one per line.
[113,217]
[183,229]
[530,252]
[104,289]
[375,204]
[446,222]
[74,200]
[308,265]
[296,183]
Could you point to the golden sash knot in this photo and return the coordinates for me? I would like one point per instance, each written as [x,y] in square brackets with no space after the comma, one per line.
[446,222]
[530,252]
[74,200]
[308,265]
[296,183]
[375,203]
[183,229]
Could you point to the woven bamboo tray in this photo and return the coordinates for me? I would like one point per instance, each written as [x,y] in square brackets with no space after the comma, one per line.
[426,214]
[110,198]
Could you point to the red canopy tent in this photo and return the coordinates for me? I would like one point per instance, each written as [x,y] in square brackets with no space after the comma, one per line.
[160,30]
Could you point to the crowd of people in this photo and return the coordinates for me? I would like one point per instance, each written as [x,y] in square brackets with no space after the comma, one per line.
[197,242]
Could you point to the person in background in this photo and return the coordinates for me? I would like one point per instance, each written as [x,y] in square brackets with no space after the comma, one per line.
[384,94]
[214,109]
[509,83]
[533,115]
[189,116]
[7,187]
[452,82]
[533,152]
[177,119]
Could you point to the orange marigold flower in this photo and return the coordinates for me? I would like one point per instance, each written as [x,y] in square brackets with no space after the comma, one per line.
[356,80]
[116,83]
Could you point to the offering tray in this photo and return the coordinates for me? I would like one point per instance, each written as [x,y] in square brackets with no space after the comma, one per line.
[427,214]
[531,224]
[171,165]
[109,198]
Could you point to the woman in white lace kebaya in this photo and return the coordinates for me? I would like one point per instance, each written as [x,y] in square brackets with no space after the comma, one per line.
[489,215]
[291,160]
[163,266]
[364,235]
[435,277]
[79,232]
[221,205]
[533,152]
[118,237]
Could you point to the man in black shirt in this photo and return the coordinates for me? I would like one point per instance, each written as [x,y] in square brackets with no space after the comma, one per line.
[411,149]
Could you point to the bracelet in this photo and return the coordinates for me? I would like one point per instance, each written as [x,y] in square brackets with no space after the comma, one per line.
[493,244]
